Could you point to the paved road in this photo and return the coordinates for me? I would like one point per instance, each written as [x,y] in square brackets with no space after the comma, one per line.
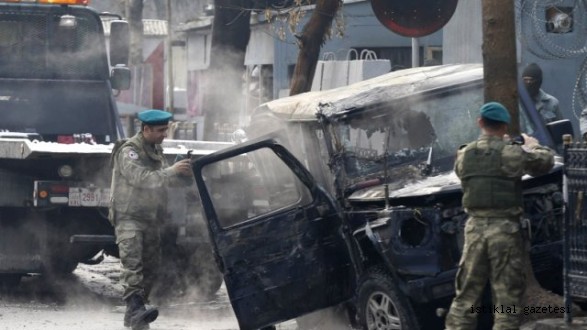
[89,300]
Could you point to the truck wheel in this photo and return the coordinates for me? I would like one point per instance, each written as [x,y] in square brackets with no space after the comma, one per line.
[381,305]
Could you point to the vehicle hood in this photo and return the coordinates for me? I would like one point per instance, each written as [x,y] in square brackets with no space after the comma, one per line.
[444,183]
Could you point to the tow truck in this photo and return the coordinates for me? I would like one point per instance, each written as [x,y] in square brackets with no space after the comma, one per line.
[58,123]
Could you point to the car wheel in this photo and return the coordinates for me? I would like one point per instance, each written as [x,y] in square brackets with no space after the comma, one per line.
[381,306]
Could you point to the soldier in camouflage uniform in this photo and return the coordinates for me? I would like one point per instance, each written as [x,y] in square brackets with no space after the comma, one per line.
[138,206]
[490,170]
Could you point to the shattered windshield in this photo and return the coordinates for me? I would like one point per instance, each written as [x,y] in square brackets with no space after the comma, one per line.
[409,134]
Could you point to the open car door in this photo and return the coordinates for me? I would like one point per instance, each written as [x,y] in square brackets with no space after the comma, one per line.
[278,237]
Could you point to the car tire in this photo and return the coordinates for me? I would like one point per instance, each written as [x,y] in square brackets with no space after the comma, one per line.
[381,305]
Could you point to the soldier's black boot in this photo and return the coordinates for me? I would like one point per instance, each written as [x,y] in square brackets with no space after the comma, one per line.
[127,317]
[137,316]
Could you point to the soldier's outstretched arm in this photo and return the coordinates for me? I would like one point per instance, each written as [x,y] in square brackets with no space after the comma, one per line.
[539,160]
[138,175]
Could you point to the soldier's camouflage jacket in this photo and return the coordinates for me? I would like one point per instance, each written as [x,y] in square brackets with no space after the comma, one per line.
[515,161]
[140,178]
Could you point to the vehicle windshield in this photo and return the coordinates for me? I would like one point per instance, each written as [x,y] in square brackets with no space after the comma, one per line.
[54,76]
[33,44]
[56,107]
[408,134]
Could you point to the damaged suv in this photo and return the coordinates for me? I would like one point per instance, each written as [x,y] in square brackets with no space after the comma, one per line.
[348,196]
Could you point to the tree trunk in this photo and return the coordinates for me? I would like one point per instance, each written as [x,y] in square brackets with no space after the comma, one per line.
[499,57]
[134,15]
[500,74]
[310,41]
[223,87]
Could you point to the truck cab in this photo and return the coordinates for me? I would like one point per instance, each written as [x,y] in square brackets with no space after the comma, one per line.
[59,121]
[348,196]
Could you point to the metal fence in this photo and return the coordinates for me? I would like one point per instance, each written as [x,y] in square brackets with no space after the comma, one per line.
[575,223]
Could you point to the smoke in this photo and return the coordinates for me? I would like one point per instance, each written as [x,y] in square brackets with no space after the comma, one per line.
[223,94]
[188,271]
[183,10]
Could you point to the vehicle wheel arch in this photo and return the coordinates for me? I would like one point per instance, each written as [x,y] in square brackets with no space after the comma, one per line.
[373,256]
[370,254]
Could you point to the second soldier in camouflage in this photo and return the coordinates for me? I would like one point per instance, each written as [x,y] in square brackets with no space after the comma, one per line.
[491,170]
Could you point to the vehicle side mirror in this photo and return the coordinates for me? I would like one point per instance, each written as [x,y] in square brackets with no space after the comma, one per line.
[120,78]
[119,42]
[559,128]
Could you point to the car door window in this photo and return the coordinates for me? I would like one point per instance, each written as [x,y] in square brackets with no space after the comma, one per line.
[250,185]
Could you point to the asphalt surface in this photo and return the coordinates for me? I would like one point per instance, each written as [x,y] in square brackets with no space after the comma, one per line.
[89,299]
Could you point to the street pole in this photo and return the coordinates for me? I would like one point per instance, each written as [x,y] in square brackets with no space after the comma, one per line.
[499,57]
[170,82]
[415,52]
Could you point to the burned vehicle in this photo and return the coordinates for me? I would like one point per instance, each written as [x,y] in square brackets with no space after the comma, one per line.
[349,196]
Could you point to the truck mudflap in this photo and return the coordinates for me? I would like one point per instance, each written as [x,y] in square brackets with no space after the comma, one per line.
[106,242]
[72,194]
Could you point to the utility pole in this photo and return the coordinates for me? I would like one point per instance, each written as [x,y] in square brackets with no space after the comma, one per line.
[499,57]
[170,82]
[415,52]
[500,74]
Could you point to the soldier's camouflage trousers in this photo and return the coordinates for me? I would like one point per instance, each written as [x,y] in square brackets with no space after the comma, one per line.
[140,255]
[493,251]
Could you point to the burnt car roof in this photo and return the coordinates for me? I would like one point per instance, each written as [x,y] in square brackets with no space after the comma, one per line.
[384,88]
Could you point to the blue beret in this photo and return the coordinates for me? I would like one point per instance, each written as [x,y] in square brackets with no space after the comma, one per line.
[154,117]
[495,111]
